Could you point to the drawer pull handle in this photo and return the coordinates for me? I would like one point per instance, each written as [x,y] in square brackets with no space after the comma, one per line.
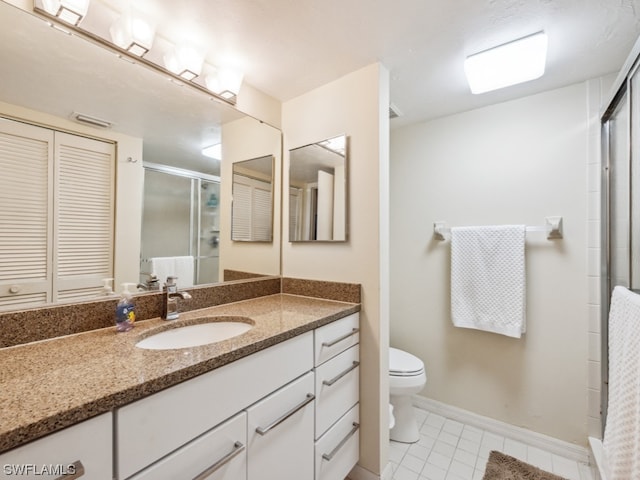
[77,472]
[329,456]
[339,339]
[237,449]
[265,430]
[328,383]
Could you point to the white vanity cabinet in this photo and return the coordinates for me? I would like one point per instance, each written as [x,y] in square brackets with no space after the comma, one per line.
[337,387]
[219,454]
[281,433]
[83,451]
[151,428]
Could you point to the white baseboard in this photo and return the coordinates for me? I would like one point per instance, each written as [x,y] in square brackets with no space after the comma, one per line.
[598,455]
[544,442]
[359,473]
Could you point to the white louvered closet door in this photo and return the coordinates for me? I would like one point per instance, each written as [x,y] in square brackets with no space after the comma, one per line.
[56,215]
[26,154]
[83,212]
[251,210]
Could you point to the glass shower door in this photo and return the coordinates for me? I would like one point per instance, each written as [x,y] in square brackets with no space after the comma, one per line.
[180,218]
[208,253]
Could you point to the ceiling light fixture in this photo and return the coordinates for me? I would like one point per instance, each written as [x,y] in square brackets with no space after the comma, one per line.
[69,11]
[508,64]
[132,33]
[213,151]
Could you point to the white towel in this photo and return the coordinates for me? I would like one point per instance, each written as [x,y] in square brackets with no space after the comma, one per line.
[621,443]
[488,278]
[181,267]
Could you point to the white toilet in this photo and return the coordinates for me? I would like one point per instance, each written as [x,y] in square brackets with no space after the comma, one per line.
[406,378]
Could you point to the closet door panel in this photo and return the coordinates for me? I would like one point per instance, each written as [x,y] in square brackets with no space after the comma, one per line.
[26,157]
[84,214]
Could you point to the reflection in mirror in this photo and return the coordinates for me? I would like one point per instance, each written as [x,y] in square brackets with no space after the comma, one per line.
[180,227]
[150,120]
[318,191]
[252,207]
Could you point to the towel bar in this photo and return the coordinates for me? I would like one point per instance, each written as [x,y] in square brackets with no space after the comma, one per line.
[552,227]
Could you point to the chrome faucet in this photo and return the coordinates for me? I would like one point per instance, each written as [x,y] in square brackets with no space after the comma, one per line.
[171,295]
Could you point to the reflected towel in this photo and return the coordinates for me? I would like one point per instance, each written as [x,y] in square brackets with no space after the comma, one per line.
[181,267]
[488,278]
[621,443]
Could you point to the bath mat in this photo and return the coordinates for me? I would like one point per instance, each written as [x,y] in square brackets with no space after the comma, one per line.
[504,467]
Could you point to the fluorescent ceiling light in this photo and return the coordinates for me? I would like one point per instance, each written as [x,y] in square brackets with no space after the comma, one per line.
[214,151]
[508,64]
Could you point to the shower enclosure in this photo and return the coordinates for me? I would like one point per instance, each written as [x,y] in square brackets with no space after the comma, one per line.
[180,217]
[621,198]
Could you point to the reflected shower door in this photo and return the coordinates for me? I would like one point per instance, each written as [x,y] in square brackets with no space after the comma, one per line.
[180,218]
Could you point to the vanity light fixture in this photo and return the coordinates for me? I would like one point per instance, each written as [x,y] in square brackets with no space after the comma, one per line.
[186,62]
[132,33]
[224,82]
[131,37]
[213,151]
[69,11]
[509,64]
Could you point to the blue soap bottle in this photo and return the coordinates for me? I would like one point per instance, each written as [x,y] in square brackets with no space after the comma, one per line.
[125,310]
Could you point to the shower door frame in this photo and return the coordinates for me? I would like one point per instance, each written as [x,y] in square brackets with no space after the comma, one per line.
[193,227]
[622,89]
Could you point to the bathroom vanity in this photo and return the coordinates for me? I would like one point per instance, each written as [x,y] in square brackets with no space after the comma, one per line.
[277,402]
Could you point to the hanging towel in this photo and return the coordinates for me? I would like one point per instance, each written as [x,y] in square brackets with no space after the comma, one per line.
[488,278]
[621,443]
[181,267]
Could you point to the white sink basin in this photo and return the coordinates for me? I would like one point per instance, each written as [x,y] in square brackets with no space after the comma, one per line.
[194,335]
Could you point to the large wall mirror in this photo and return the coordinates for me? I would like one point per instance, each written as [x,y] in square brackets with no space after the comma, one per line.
[170,199]
[318,191]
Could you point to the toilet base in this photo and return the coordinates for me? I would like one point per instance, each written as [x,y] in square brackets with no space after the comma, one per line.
[405,429]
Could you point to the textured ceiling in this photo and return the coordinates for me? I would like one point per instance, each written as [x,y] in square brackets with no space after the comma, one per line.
[289,47]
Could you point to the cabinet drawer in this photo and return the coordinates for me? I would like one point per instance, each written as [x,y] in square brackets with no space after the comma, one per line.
[280,433]
[336,337]
[337,388]
[222,451]
[150,428]
[338,450]
[89,443]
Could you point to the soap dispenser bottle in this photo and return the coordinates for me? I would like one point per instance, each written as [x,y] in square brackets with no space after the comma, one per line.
[125,310]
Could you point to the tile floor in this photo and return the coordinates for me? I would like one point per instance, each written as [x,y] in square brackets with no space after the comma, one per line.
[450,450]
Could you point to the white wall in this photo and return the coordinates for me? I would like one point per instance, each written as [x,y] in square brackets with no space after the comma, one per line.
[356,105]
[255,257]
[511,163]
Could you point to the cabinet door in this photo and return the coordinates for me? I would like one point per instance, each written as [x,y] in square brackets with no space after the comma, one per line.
[83,451]
[337,388]
[280,433]
[336,337]
[219,454]
[338,451]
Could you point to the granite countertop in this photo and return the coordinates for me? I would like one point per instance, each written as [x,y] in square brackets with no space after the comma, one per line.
[51,384]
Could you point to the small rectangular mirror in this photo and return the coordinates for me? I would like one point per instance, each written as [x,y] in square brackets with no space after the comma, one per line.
[252,205]
[318,191]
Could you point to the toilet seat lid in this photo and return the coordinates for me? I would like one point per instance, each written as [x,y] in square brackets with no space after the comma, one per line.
[403,363]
